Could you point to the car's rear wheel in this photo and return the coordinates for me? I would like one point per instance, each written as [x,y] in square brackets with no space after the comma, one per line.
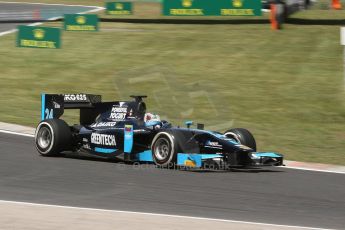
[52,137]
[243,136]
[164,150]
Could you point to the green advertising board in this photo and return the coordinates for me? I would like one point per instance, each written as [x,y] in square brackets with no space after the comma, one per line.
[119,8]
[39,37]
[81,22]
[212,7]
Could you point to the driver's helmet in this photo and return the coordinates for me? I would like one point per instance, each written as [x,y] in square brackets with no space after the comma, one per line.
[151,119]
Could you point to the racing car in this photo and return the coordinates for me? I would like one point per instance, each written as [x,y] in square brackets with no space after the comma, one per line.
[125,130]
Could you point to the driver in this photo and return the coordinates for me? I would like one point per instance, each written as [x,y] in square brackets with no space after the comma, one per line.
[152,120]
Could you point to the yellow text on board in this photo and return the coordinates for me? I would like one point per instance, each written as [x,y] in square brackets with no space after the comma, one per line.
[194,12]
[239,12]
[119,12]
[39,44]
[83,27]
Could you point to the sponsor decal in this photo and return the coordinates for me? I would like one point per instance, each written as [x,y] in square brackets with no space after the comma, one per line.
[182,7]
[39,33]
[103,139]
[77,22]
[119,8]
[189,163]
[56,105]
[139,130]
[38,37]
[237,3]
[187,3]
[75,97]
[86,144]
[103,124]
[212,8]
[80,19]
[49,113]
[128,131]
[213,144]
[237,12]
[242,8]
[118,113]
[243,147]
[128,140]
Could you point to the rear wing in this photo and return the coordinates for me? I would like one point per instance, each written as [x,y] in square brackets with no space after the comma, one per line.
[53,105]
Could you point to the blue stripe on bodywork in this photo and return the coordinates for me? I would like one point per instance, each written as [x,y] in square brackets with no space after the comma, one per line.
[145,156]
[103,150]
[43,105]
[266,154]
[128,139]
[209,156]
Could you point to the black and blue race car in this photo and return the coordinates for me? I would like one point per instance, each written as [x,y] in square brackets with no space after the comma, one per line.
[124,130]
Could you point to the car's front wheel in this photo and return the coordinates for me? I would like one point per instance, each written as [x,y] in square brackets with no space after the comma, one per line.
[243,136]
[164,150]
[52,137]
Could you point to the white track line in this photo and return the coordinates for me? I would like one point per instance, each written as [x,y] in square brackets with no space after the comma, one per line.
[7,32]
[16,133]
[314,170]
[97,8]
[161,215]
[48,4]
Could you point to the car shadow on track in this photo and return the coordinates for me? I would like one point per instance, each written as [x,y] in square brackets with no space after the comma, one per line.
[237,170]
[151,166]
[75,156]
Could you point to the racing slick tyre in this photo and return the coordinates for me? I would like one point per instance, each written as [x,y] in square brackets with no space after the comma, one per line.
[52,137]
[243,136]
[164,152]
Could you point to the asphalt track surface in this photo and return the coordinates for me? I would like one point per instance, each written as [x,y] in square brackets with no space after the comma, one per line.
[25,12]
[8,26]
[277,196]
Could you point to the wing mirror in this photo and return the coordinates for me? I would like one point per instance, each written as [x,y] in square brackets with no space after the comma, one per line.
[198,126]
[189,124]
